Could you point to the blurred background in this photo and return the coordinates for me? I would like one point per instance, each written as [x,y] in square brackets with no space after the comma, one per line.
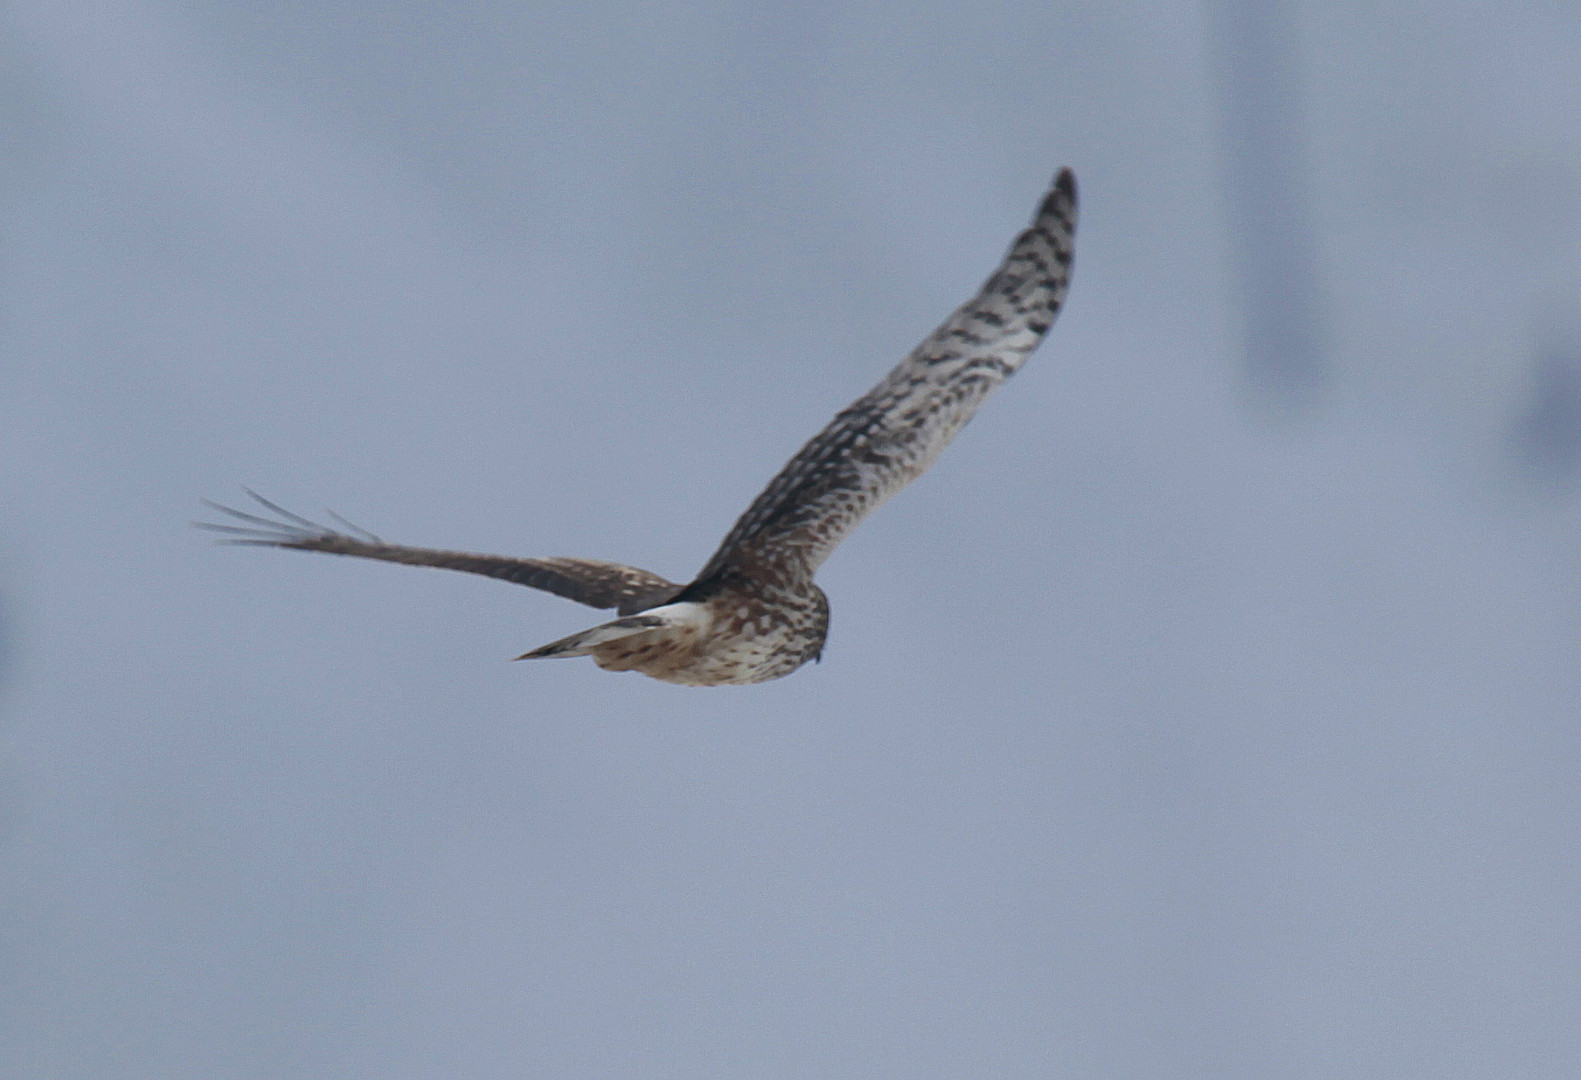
[1210,710]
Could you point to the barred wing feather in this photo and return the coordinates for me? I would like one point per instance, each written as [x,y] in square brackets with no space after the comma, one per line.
[890,436]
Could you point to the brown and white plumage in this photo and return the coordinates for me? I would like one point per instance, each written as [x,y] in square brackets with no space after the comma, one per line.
[753,613]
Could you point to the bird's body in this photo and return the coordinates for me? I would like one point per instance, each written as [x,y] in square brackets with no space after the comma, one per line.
[754,613]
[735,632]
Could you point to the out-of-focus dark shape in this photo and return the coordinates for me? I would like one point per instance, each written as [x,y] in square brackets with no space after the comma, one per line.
[1547,436]
[1269,217]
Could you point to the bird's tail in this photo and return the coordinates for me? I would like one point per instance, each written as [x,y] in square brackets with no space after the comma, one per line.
[584,643]
[684,617]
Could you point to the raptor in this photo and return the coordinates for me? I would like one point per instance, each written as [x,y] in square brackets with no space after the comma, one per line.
[754,613]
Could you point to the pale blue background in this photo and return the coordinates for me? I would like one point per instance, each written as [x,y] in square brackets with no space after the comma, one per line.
[1178,724]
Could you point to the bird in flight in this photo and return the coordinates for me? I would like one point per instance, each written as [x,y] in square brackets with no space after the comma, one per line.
[753,613]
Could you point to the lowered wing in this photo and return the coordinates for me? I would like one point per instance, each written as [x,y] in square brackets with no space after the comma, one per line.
[587,581]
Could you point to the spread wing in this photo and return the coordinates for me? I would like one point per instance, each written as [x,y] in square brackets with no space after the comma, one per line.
[587,581]
[890,436]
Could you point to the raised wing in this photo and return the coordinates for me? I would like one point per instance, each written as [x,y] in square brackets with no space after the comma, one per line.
[890,436]
[587,581]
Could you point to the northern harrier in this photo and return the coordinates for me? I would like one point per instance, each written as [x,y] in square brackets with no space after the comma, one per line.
[754,613]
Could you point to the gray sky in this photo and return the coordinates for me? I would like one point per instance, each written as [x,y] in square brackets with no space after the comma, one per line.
[1155,736]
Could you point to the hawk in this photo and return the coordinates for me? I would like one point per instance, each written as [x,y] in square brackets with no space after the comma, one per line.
[753,613]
